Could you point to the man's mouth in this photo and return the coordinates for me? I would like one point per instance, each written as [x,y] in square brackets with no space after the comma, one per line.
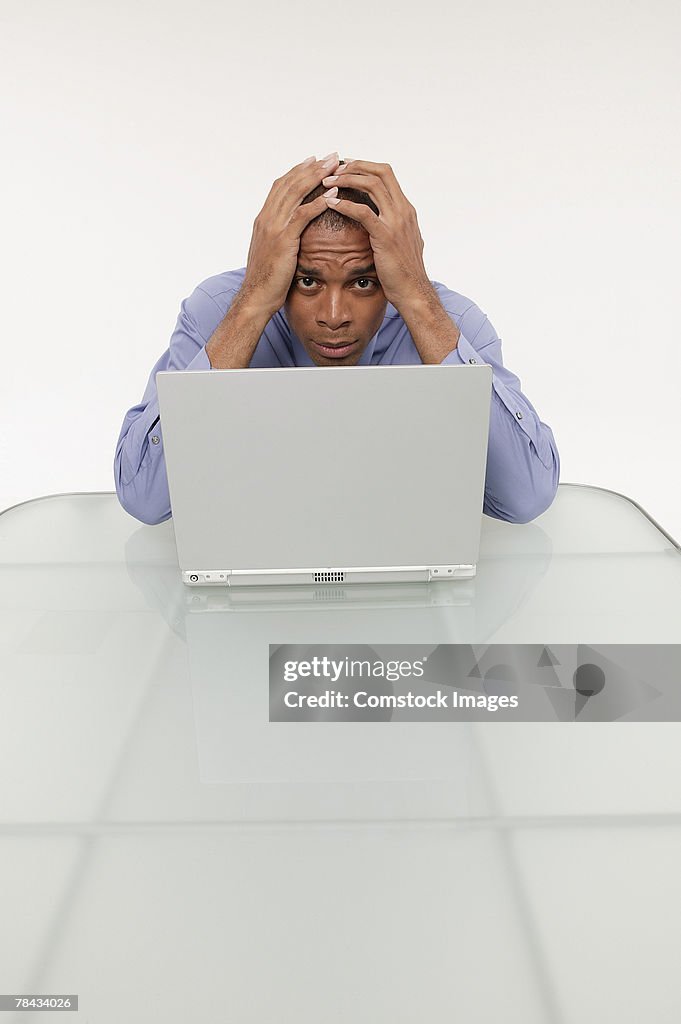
[337,350]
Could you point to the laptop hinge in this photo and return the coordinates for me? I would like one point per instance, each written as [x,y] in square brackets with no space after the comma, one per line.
[449,572]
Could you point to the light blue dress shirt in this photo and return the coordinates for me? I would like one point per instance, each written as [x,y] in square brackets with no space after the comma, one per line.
[523,465]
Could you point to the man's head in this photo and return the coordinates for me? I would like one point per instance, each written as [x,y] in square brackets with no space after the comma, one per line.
[335,297]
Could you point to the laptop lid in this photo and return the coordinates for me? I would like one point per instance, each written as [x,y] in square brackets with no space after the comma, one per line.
[326,471]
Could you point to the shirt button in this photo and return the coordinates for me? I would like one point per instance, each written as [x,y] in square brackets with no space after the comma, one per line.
[519,415]
[471,360]
[155,439]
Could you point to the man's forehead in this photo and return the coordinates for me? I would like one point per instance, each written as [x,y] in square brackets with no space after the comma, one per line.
[337,246]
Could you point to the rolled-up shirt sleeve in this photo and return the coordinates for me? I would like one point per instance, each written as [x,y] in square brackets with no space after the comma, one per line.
[523,465]
[139,462]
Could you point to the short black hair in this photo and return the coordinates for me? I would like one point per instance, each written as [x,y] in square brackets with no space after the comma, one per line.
[332,219]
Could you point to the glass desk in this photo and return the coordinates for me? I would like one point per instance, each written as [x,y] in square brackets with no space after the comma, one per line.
[169,855]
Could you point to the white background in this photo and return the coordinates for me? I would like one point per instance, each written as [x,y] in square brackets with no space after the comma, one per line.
[538,141]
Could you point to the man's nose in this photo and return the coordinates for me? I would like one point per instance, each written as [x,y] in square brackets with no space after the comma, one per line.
[333,311]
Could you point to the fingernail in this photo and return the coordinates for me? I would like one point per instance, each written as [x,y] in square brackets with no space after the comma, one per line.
[342,167]
[333,159]
[330,199]
[331,177]
[310,160]
[332,192]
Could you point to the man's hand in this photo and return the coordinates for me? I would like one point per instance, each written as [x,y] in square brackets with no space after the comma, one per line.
[398,254]
[275,243]
[272,260]
[394,234]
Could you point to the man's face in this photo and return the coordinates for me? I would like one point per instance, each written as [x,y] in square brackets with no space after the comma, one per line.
[335,299]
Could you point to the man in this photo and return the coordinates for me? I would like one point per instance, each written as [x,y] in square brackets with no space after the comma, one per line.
[335,277]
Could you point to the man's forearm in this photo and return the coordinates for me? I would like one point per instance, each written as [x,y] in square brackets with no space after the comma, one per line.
[234,340]
[434,332]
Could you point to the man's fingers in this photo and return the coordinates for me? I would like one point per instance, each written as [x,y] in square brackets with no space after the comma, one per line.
[369,183]
[289,190]
[305,213]
[382,171]
[358,211]
[310,171]
[368,167]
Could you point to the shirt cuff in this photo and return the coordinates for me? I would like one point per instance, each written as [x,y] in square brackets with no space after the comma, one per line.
[154,434]
[200,361]
[463,353]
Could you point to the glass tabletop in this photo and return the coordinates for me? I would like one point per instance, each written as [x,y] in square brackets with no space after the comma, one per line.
[169,854]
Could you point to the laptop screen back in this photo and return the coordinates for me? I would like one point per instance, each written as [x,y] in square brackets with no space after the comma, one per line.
[339,466]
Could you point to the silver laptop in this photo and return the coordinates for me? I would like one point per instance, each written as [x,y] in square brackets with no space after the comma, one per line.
[326,475]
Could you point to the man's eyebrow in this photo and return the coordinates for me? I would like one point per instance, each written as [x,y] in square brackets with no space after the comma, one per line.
[370,269]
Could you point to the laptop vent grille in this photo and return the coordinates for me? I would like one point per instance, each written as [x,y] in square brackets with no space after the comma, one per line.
[329,577]
[330,594]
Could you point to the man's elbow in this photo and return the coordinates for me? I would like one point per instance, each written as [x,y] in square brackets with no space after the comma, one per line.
[146,515]
[142,502]
[528,498]
[144,511]
[533,502]
[529,509]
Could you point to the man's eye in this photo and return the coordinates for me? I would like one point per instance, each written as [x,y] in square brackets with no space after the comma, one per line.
[366,283]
